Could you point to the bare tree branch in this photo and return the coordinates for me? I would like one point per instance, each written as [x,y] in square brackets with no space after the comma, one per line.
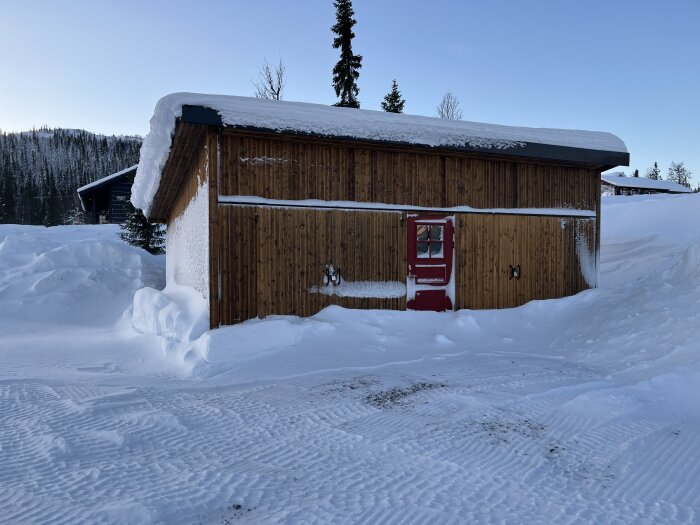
[449,107]
[271,81]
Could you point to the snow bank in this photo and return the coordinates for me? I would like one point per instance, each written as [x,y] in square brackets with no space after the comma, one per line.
[75,275]
[340,122]
[178,316]
[644,234]
[178,313]
[686,271]
[335,338]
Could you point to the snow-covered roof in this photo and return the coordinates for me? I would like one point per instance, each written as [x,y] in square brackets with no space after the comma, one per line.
[104,180]
[331,121]
[619,179]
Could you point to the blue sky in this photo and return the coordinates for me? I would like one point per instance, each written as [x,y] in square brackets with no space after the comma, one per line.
[628,67]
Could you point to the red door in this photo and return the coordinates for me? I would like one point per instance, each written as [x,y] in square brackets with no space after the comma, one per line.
[430,254]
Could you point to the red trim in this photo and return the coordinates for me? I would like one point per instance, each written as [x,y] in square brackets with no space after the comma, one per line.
[434,271]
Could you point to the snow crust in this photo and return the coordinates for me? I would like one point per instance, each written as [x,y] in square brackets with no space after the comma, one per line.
[587,256]
[187,245]
[299,117]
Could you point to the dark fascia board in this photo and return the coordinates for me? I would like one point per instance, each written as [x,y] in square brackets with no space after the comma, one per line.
[604,160]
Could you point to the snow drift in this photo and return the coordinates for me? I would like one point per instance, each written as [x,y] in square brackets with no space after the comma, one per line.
[70,275]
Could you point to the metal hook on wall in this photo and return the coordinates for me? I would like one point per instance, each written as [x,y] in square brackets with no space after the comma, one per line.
[514,272]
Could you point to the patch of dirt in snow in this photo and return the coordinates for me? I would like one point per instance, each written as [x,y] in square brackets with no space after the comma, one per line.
[346,385]
[233,514]
[399,396]
[501,432]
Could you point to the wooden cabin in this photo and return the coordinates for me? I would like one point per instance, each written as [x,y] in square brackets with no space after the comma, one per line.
[106,200]
[286,208]
[616,183]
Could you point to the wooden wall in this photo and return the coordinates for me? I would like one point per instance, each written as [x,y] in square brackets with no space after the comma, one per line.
[188,245]
[272,257]
[264,260]
[544,247]
[196,174]
[276,167]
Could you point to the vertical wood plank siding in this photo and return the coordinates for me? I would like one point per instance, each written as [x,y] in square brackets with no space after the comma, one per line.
[278,168]
[268,259]
[278,255]
[545,248]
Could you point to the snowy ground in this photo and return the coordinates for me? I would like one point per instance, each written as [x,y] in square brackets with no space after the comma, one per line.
[585,409]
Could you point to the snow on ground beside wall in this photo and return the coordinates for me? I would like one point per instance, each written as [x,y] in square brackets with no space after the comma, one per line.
[579,410]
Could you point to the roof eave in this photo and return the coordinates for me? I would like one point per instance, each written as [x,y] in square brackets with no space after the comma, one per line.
[604,160]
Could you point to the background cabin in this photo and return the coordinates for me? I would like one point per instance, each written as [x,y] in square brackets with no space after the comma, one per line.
[106,200]
[285,208]
[616,183]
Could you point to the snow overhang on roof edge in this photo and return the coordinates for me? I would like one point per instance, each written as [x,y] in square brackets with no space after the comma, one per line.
[602,150]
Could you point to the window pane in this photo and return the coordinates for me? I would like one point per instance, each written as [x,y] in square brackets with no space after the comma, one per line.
[436,250]
[436,233]
[422,250]
[422,232]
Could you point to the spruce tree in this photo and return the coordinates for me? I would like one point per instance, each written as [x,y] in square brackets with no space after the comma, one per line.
[654,173]
[677,172]
[7,200]
[347,70]
[137,231]
[393,102]
[636,173]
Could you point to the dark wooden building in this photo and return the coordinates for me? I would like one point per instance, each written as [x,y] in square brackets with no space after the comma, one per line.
[298,206]
[106,200]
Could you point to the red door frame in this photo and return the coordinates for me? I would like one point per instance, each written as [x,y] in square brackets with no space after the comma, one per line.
[433,272]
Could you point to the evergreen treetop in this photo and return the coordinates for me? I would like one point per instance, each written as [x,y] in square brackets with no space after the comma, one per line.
[654,173]
[347,70]
[137,231]
[393,102]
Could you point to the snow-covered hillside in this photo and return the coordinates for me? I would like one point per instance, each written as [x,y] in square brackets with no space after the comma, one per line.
[584,409]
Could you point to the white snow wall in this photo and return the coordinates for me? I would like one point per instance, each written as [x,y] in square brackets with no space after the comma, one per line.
[187,250]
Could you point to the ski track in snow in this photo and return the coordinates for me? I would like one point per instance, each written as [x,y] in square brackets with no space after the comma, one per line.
[493,443]
[548,413]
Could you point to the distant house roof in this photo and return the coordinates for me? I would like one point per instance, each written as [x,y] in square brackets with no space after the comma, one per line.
[588,147]
[109,179]
[619,180]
